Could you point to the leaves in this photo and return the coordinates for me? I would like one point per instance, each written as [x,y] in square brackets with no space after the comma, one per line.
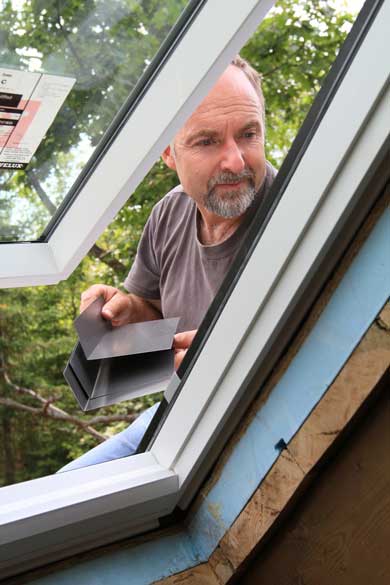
[294,49]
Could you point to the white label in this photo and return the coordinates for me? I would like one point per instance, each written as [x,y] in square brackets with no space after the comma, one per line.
[29,102]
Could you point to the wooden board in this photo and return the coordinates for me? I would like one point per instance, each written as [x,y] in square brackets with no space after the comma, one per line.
[340,531]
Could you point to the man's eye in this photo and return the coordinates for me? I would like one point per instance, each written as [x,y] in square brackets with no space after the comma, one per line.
[250,134]
[204,142]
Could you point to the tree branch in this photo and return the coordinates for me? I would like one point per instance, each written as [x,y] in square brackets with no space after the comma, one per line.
[72,49]
[106,419]
[48,410]
[65,33]
[106,257]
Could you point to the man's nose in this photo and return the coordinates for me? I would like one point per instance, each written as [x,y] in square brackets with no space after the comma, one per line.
[232,158]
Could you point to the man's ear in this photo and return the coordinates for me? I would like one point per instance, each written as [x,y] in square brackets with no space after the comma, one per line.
[168,158]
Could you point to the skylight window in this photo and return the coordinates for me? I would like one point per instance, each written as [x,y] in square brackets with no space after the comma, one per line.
[245,331]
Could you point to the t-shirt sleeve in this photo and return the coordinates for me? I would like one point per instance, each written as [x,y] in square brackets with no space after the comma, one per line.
[144,276]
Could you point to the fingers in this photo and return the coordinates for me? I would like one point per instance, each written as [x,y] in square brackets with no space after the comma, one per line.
[118,309]
[184,340]
[179,356]
[95,291]
[181,343]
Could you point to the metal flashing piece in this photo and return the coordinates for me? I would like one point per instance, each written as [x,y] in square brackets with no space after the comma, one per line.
[99,339]
[109,365]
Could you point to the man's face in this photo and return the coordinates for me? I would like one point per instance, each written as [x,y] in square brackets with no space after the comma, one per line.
[219,153]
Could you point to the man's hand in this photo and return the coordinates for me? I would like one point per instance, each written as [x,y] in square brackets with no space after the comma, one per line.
[181,343]
[121,308]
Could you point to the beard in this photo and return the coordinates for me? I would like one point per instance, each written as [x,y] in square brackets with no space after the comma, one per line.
[234,202]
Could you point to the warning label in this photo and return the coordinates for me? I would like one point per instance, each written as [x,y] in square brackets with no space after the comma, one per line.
[29,102]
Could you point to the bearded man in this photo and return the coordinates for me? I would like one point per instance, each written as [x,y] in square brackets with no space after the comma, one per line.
[195,231]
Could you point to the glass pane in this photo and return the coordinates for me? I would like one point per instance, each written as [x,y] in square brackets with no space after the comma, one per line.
[66,68]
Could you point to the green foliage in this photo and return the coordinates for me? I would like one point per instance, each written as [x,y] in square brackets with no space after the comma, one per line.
[293,48]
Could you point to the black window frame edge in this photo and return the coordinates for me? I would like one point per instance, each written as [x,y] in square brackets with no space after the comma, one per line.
[263,215]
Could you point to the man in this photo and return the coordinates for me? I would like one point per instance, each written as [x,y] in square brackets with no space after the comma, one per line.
[195,231]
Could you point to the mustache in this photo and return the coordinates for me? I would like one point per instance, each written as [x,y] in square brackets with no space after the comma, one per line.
[226,177]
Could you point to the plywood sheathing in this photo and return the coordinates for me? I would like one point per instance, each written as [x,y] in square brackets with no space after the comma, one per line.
[383,320]
[257,517]
[339,531]
[349,391]
[362,372]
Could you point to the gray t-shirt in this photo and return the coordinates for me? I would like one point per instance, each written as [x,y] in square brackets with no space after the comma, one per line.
[172,265]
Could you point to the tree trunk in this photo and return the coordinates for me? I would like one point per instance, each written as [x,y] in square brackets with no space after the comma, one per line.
[8,451]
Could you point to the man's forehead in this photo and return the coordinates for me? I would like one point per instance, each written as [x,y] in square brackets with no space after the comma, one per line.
[236,116]
[232,86]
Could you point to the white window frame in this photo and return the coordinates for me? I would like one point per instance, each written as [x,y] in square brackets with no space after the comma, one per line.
[36,516]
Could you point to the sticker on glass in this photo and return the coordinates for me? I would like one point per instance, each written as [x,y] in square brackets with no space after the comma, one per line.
[29,102]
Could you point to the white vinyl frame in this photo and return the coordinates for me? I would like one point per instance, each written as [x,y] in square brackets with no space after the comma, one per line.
[185,79]
[349,137]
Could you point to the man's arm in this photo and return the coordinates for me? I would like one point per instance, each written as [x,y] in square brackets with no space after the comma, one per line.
[121,308]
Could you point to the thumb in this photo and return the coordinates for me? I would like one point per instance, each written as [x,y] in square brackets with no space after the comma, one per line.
[117,310]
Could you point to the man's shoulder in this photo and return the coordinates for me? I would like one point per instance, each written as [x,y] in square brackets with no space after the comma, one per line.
[173,196]
[170,217]
[175,203]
